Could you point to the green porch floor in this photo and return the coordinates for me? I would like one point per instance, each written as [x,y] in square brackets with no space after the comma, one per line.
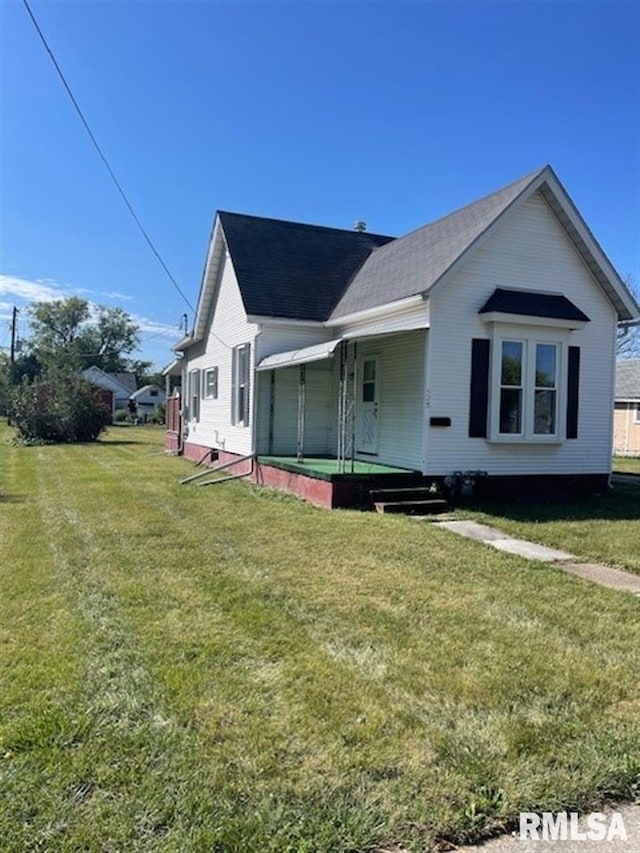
[319,465]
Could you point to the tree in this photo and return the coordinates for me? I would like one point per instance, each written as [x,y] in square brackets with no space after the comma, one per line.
[628,341]
[108,340]
[64,335]
[58,407]
[55,328]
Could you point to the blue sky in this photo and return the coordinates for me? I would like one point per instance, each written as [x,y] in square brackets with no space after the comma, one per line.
[395,113]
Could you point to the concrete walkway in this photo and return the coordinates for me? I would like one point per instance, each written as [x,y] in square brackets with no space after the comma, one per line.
[603,575]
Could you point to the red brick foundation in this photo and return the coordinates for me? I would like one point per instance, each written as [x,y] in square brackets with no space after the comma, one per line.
[318,492]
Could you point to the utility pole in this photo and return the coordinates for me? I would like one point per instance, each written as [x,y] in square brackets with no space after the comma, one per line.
[185,321]
[14,329]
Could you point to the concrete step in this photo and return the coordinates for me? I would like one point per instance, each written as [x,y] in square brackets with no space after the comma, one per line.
[412,507]
[403,493]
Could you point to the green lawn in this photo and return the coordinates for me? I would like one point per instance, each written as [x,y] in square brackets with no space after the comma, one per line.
[626,464]
[229,669]
[603,529]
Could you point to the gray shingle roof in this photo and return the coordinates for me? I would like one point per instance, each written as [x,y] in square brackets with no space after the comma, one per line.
[126,379]
[628,379]
[293,270]
[414,263]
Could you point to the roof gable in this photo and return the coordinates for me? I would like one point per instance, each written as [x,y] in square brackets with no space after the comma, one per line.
[310,273]
[96,376]
[292,270]
[414,263]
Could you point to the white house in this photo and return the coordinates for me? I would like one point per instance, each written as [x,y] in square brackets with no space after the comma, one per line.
[147,398]
[626,416]
[483,342]
[119,385]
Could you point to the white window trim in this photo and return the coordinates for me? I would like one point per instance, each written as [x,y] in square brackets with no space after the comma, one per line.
[194,395]
[529,339]
[205,384]
[636,413]
[241,418]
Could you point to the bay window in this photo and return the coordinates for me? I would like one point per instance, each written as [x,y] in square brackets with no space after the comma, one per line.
[525,389]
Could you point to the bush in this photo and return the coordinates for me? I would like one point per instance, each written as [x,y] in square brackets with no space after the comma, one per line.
[59,408]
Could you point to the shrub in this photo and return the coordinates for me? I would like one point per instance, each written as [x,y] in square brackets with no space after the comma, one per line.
[59,408]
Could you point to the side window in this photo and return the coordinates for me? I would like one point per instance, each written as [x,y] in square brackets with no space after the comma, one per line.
[194,394]
[511,377]
[210,389]
[240,390]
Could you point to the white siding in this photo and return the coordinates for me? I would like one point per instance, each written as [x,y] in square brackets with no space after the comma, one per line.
[229,328]
[318,409]
[530,251]
[401,365]
[281,338]
[413,317]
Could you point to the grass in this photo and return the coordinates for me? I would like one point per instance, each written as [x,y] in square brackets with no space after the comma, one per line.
[603,529]
[228,669]
[626,464]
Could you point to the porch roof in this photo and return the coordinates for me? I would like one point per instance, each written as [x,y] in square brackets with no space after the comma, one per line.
[317,352]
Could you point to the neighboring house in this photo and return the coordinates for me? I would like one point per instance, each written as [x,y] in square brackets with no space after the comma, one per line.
[120,385]
[626,418]
[483,342]
[147,398]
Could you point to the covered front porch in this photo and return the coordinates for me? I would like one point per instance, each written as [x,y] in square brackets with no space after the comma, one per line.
[358,402]
[319,481]
[339,420]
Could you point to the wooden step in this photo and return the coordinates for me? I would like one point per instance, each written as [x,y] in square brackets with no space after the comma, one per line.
[412,507]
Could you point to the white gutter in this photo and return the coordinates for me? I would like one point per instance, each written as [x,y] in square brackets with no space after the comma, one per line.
[265,320]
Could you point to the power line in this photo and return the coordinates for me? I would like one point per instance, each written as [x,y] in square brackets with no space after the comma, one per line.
[104,159]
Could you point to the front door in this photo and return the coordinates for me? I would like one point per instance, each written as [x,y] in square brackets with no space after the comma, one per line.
[368,405]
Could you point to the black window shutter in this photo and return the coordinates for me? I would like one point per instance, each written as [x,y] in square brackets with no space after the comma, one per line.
[479,390]
[573,391]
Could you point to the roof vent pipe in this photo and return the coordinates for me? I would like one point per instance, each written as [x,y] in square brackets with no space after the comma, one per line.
[359,225]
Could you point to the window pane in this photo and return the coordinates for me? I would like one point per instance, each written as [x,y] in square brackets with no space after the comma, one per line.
[368,392]
[544,417]
[545,366]
[511,363]
[369,371]
[242,363]
[510,410]
[211,389]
